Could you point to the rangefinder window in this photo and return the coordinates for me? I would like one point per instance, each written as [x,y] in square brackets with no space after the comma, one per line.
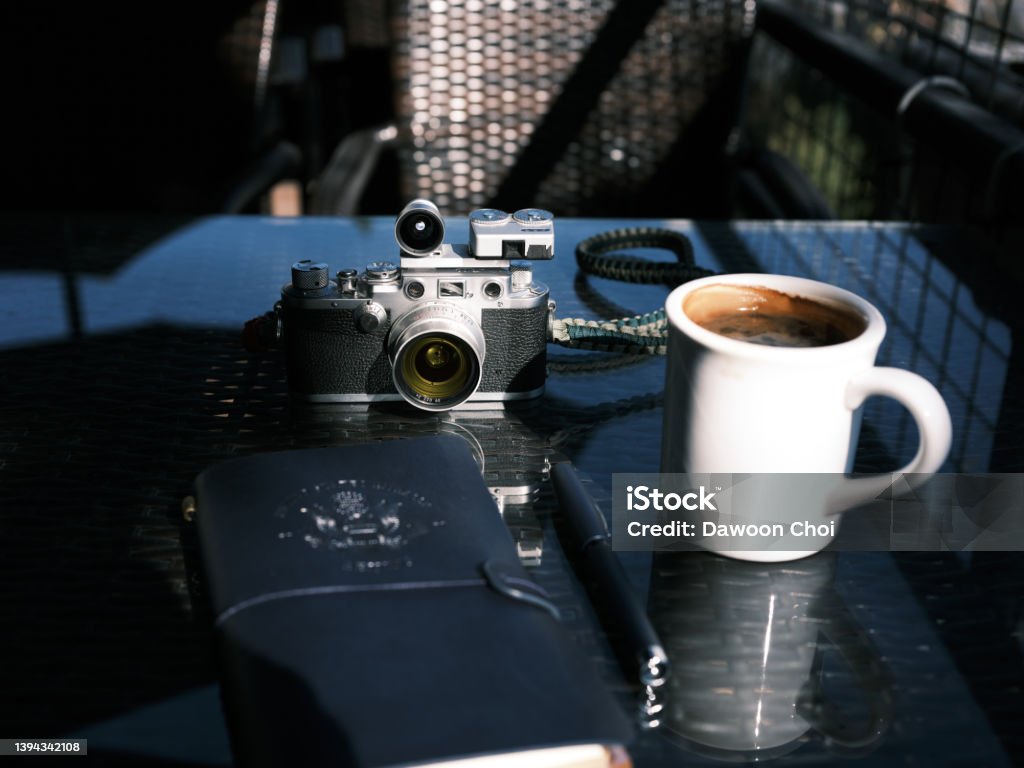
[451,289]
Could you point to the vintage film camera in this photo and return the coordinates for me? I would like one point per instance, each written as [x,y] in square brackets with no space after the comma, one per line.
[449,324]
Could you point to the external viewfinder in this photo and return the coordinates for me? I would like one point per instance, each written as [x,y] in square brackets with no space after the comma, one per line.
[419,228]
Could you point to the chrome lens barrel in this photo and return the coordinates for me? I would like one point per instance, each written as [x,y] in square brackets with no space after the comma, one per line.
[437,355]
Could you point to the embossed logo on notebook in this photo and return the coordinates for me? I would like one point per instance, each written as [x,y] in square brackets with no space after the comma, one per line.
[372,523]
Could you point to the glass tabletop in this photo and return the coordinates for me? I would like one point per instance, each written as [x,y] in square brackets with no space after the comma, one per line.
[124,377]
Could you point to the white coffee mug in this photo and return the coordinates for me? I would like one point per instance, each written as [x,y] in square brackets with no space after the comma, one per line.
[733,406]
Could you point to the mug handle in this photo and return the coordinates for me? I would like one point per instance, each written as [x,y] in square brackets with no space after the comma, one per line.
[865,661]
[934,426]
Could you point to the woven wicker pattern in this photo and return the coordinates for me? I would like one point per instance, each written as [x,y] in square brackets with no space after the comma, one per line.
[474,79]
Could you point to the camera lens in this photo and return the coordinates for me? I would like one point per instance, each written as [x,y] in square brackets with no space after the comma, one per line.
[436,355]
[436,366]
[419,228]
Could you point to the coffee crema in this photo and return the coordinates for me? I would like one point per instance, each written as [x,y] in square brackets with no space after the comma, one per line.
[765,316]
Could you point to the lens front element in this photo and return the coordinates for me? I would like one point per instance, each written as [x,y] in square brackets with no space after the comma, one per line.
[437,354]
[436,367]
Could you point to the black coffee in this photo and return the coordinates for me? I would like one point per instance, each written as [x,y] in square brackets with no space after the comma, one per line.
[765,316]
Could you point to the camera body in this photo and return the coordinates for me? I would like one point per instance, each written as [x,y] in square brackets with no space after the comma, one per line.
[444,326]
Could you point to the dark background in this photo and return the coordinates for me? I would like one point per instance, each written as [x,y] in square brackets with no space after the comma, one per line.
[148,107]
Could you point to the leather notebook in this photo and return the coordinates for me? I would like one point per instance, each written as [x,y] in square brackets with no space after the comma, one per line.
[370,610]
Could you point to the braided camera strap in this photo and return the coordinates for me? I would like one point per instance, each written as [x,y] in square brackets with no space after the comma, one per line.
[599,256]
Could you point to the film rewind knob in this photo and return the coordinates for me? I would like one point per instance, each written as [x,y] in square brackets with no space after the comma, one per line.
[308,275]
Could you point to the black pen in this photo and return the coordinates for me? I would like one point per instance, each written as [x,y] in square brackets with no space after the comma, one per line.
[607,577]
